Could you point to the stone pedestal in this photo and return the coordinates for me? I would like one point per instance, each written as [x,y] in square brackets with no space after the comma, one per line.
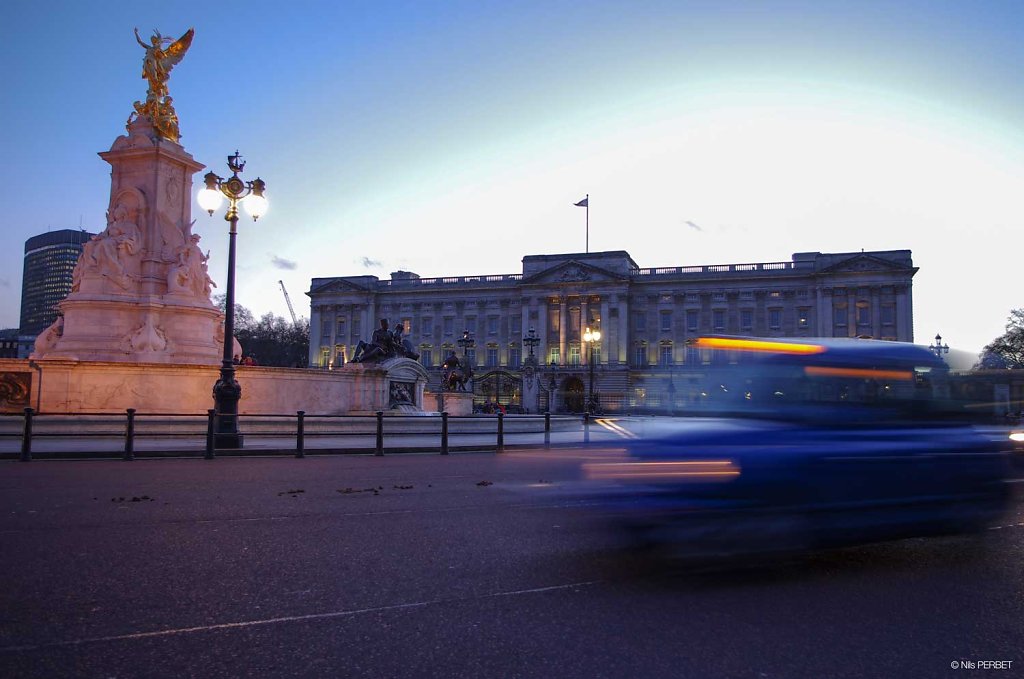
[140,291]
[455,403]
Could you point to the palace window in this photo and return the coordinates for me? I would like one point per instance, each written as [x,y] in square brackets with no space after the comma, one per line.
[339,355]
[666,321]
[692,320]
[640,321]
[863,313]
[888,314]
[775,318]
[492,356]
[553,320]
[492,325]
[341,330]
[471,355]
[718,318]
[427,324]
[514,356]
[640,355]
[746,318]
[449,326]
[665,355]
[554,356]
[839,315]
[355,330]
[803,315]
[574,354]
[426,356]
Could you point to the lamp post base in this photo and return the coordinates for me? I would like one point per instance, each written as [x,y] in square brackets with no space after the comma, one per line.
[227,441]
[226,395]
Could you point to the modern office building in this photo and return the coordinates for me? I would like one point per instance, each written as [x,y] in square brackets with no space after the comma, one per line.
[645,317]
[50,259]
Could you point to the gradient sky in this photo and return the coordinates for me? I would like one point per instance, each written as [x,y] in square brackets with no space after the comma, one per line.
[452,138]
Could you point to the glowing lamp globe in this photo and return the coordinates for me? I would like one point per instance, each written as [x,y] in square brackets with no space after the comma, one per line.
[209,199]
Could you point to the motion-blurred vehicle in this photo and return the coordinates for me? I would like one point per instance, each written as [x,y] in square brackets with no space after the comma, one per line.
[813,443]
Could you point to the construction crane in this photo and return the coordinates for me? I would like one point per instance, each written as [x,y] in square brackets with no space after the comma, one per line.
[288,299]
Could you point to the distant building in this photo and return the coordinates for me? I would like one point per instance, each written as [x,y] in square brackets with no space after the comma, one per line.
[9,343]
[50,259]
[645,315]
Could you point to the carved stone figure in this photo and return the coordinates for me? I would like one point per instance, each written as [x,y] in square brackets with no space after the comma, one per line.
[188,276]
[108,251]
[47,339]
[148,337]
[162,54]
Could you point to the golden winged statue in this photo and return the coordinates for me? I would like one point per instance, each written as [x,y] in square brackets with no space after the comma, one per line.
[162,54]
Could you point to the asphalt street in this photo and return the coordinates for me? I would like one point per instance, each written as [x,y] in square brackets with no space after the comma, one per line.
[458,566]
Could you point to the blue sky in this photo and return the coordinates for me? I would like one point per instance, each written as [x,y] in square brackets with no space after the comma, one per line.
[452,138]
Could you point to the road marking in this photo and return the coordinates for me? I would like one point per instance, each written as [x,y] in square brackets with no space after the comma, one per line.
[293,618]
[611,426]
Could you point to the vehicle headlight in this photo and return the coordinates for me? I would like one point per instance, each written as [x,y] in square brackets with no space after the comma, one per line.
[663,472]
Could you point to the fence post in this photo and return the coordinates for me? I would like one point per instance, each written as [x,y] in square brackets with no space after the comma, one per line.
[129,436]
[586,427]
[300,435]
[26,437]
[547,429]
[444,433]
[380,433]
[501,432]
[211,413]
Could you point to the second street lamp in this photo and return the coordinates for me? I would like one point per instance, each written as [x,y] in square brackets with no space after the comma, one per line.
[591,338]
[227,392]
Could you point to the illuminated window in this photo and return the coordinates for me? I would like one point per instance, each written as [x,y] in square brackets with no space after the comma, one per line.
[554,355]
[803,315]
[574,354]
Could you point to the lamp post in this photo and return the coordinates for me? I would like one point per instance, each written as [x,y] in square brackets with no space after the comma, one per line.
[227,392]
[590,337]
[531,340]
[939,348]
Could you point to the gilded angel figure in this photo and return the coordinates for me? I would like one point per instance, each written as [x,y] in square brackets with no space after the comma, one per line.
[159,60]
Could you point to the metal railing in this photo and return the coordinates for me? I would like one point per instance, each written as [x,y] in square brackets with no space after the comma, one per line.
[135,434]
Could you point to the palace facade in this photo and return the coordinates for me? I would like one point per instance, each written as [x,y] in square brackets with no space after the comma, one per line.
[645,316]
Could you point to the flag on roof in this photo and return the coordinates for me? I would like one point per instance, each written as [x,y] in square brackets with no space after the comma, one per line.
[582,203]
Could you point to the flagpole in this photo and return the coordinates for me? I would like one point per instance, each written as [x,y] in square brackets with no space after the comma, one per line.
[588,221]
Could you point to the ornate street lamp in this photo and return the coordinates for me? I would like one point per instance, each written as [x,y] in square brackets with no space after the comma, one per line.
[939,348]
[227,392]
[531,340]
[590,338]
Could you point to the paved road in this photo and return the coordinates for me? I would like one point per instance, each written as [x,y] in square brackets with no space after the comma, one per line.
[411,566]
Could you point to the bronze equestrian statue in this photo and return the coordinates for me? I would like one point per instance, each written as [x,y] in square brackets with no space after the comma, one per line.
[457,373]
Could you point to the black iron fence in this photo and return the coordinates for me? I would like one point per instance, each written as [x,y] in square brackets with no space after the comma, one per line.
[105,435]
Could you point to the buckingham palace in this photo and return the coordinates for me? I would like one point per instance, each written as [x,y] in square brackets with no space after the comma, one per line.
[535,323]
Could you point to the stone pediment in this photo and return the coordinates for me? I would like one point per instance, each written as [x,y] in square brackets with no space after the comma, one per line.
[337,285]
[865,263]
[573,271]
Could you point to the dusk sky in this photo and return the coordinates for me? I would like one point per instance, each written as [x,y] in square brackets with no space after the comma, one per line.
[453,138]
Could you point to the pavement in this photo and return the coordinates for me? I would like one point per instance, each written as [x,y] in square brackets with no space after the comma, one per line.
[457,566]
